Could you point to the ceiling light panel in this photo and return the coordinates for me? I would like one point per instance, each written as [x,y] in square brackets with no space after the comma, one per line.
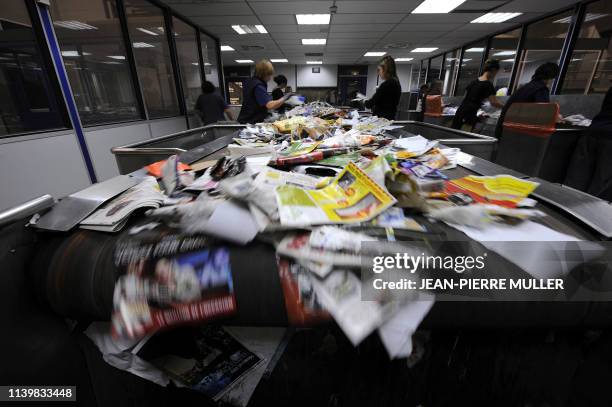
[279,60]
[403,59]
[437,6]
[424,49]
[310,19]
[249,29]
[314,62]
[314,41]
[74,25]
[244,61]
[475,49]
[374,54]
[226,48]
[492,18]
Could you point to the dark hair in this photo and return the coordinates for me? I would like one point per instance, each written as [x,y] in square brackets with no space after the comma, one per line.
[491,65]
[208,87]
[280,80]
[546,71]
[389,64]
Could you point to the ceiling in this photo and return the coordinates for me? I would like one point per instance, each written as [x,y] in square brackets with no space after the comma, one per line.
[357,27]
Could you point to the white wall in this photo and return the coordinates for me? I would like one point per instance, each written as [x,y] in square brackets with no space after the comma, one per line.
[283,69]
[328,77]
[51,163]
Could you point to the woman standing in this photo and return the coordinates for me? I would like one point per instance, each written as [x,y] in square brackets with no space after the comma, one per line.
[255,98]
[279,91]
[385,100]
[476,93]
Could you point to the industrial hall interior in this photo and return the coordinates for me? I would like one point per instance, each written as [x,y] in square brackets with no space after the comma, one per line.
[335,203]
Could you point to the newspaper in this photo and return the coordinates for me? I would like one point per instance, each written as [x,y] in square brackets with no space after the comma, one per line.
[351,197]
[113,216]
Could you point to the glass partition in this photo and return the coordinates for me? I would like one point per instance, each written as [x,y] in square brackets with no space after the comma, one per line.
[211,62]
[435,67]
[92,46]
[503,48]
[543,43]
[29,101]
[189,61]
[590,66]
[470,66]
[152,54]
[450,71]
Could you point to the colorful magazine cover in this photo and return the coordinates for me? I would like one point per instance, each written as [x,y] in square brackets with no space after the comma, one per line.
[351,197]
[206,358]
[171,282]
[503,190]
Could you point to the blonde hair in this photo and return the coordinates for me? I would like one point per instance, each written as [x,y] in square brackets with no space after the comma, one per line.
[263,69]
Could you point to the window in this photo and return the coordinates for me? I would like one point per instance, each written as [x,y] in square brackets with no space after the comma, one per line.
[152,54]
[209,55]
[470,66]
[543,43]
[28,95]
[414,78]
[89,35]
[434,69]
[590,67]
[189,61]
[450,71]
[503,48]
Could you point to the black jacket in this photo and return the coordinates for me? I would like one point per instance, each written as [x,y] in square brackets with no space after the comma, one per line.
[385,100]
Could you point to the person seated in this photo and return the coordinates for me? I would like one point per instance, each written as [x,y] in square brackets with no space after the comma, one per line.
[256,102]
[535,91]
[477,92]
[210,106]
[590,169]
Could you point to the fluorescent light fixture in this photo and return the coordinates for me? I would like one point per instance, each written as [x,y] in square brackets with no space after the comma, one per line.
[207,64]
[587,18]
[70,53]
[403,59]
[143,45]
[279,60]
[504,53]
[238,29]
[144,30]
[120,57]
[424,49]
[507,60]
[466,60]
[491,18]
[311,19]
[314,62]
[226,48]
[195,64]
[474,50]
[250,29]
[244,61]
[111,62]
[437,6]
[74,25]
[314,41]
[374,54]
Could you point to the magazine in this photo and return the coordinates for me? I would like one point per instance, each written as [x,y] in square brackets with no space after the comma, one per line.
[113,216]
[173,281]
[503,190]
[206,358]
[351,197]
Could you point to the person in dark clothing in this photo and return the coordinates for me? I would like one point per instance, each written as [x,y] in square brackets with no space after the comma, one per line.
[421,106]
[535,91]
[255,99]
[279,91]
[476,93]
[385,100]
[211,106]
[590,169]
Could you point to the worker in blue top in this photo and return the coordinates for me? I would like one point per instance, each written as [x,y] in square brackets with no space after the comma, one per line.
[256,102]
[535,91]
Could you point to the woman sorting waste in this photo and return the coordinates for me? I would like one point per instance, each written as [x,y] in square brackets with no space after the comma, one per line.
[279,91]
[476,93]
[385,100]
[535,91]
[256,102]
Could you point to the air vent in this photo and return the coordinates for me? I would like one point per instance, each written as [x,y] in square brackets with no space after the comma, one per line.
[314,54]
[252,47]
[398,45]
